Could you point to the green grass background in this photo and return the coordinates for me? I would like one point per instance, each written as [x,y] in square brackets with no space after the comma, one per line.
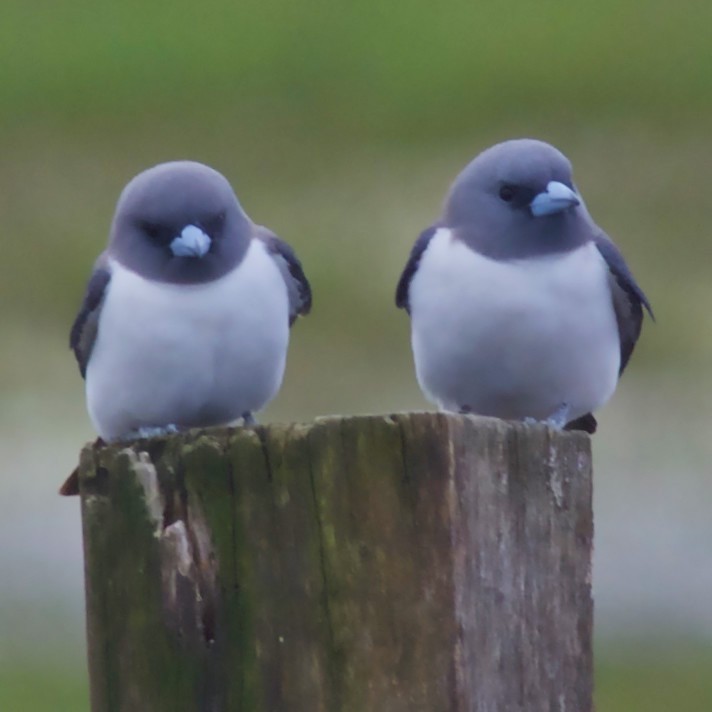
[340,126]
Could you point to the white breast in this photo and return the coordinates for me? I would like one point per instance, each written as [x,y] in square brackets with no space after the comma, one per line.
[188,355]
[517,338]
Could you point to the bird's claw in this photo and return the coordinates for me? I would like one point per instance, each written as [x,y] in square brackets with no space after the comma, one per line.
[556,420]
[559,417]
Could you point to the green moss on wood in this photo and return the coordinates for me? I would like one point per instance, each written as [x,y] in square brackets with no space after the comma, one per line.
[409,562]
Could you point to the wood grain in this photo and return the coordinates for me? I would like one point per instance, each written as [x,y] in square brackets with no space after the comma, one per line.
[389,563]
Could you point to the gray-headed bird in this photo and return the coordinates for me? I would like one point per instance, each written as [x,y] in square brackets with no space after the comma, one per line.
[186,318]
[521,307]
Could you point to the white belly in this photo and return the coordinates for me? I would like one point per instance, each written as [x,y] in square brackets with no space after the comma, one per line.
[189,355]
[513,339]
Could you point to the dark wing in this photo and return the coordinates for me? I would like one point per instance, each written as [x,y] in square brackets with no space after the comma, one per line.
[402,298]
[628,303]
[83,333]
[298,289]
[628,297]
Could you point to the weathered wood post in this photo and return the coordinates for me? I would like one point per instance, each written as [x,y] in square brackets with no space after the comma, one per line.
[406,563]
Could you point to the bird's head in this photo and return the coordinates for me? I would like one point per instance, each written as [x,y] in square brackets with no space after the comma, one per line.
[179,222]
[515,199]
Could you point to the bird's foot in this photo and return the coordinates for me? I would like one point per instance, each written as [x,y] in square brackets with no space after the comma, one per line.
[248,418]
[149,431]
[559,417]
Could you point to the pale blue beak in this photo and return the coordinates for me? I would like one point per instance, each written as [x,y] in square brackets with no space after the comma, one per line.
[556,198]
[192,242]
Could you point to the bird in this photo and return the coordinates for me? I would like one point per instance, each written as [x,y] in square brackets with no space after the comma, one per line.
[520,306]
[186,317]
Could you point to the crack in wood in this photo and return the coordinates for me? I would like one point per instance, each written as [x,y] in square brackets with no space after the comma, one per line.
[332,652]
[188,563]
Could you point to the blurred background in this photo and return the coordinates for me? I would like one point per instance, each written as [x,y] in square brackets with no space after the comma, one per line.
[341,126]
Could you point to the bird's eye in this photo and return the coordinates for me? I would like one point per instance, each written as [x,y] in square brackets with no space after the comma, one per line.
[152,230]
[214,224]
[506,193]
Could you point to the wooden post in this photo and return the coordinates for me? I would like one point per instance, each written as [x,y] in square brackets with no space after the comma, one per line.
[406,563]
